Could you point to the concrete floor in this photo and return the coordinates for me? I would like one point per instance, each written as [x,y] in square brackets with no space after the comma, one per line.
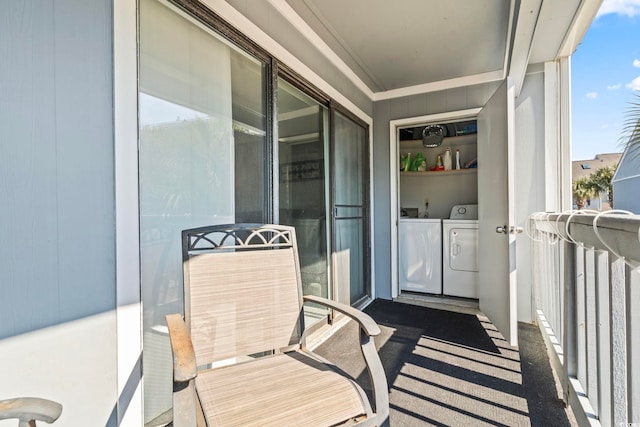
[452,369]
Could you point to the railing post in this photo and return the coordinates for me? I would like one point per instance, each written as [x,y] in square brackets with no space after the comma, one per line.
[633,343]
[618,306]
[604,338]
[559,276]
[580,325]
[569,335]
[591,347]
[556,292]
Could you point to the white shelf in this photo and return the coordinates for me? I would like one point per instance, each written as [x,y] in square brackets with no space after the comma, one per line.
[440,173]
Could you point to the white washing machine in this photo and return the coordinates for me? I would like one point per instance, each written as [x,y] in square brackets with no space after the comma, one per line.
[460,252]
[420,255]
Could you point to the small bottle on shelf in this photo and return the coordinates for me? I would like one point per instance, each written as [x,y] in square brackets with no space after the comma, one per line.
[458,159]
[447,159]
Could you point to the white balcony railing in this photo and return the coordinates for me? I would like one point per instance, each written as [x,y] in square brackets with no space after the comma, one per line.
[587,300]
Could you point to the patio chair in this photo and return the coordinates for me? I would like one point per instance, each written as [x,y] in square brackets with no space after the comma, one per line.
[28,410]
[241,345]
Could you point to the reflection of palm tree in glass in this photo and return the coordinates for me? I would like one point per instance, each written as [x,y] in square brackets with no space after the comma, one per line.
[186,180]
[181,160]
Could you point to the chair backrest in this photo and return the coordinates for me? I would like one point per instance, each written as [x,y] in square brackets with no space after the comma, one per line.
[242,290]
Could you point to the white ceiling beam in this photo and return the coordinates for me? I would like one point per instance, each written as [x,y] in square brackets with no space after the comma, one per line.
[527,21]
[488,77]
[582,20]
[307,32]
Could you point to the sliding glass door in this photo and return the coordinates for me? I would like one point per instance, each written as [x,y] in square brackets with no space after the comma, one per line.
[229,135]
[351,210]
[202,151]
[303,185]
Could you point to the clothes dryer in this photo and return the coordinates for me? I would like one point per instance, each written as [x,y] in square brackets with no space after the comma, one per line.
[460,252]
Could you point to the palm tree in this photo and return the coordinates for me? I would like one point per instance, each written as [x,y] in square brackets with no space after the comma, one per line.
[600,181]
[583,190]
[630,138]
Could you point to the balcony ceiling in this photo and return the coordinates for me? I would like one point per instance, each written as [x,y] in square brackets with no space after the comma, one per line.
[396,44]
[392,48]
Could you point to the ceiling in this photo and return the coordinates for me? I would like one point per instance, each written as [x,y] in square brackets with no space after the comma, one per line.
[412,42]
[394,45]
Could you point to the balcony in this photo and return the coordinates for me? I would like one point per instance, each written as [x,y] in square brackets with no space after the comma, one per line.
[577,366]
[587,297]
[446,368]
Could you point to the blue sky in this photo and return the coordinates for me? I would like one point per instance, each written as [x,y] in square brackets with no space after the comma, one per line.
[605,78]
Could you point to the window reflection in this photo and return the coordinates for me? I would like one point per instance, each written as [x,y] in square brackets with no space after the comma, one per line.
[202,162]
[303,182]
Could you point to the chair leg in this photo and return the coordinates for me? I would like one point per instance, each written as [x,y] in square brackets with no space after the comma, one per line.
[378,377]
[184,404]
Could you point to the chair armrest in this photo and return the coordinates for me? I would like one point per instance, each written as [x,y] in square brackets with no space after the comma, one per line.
[369,328]
[28,409]
[184,358]
[367,324]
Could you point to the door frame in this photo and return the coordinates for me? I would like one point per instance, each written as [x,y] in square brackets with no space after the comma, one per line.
[394,175]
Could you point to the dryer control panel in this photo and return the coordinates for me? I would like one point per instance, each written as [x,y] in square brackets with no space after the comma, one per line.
[460,212]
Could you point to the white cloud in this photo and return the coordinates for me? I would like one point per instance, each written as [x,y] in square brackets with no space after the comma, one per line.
[592,95]
[629,8]
[635,84]
[636,63]
[614,87]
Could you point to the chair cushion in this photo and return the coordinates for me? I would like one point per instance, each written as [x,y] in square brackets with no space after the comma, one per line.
[291,389]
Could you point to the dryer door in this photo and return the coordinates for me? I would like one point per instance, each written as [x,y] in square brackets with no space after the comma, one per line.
[463,249]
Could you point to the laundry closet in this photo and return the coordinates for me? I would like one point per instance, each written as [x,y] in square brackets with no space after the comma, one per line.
[438,203]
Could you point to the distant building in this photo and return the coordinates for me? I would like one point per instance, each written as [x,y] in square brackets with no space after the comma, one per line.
[626,181]
[582,168]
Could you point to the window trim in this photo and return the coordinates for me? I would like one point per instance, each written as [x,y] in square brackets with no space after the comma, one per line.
[202,13]
[275,69]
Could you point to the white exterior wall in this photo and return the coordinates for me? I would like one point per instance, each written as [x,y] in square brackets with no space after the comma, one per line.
[57,261]
[125,122]
[543,160]
[557,130]
[529,178]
